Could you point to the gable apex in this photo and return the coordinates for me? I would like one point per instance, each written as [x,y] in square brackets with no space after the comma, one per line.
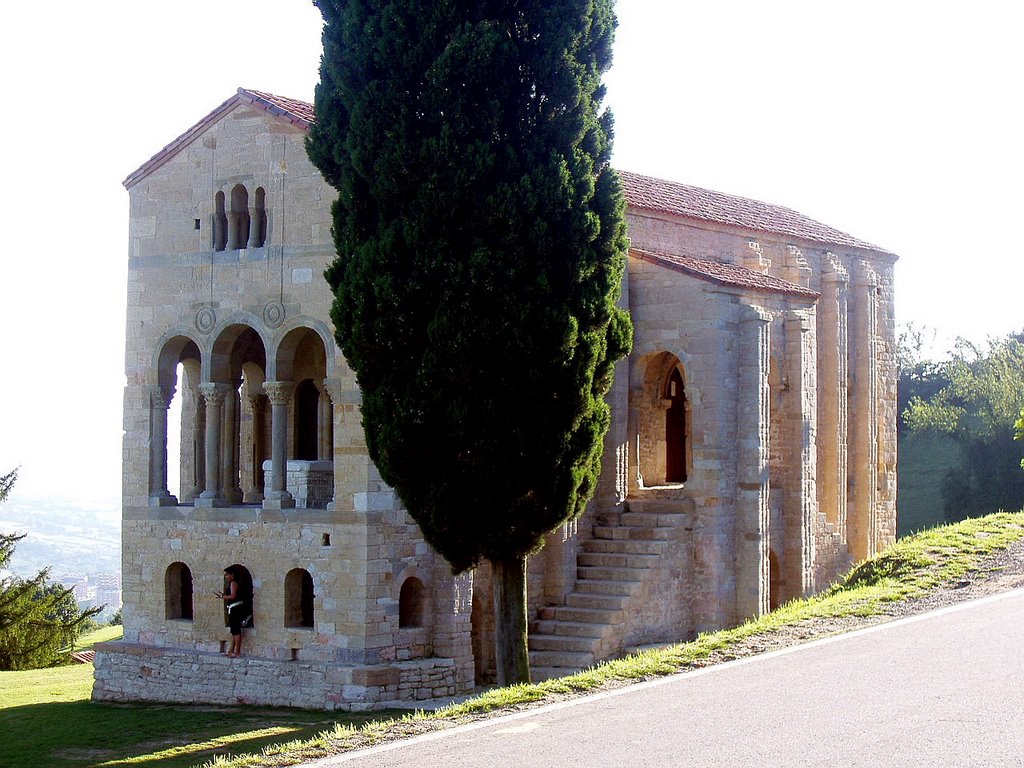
[299,113]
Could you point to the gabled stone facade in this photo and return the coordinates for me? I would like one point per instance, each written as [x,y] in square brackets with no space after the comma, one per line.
[751,458]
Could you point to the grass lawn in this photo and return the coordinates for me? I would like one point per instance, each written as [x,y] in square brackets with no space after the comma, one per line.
[47,719]
[101,635]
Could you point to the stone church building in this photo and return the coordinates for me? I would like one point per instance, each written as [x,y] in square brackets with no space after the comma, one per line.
[751,457]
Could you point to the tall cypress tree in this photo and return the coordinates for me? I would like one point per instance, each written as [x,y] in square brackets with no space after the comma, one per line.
[481,242]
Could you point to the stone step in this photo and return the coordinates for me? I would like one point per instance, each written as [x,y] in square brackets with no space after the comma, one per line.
[608,518]
[583,615]
[661,506]
[638,546]
[562,659]
[539,642]
[607,587]
[623,533]
[607,602]
[617,560]
[604,573]
[652,519]
[569,628]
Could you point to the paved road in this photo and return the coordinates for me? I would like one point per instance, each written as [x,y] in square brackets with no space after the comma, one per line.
[943,689]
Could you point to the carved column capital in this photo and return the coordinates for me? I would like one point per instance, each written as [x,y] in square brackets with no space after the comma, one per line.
[279,392]
[160,397]
[213,393]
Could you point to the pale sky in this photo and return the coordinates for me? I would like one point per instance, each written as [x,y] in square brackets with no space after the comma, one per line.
[895,121]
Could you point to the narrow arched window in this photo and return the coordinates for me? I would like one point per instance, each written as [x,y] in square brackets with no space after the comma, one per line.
[220,223]
[238,218]
[178,592]
[298,598]
[258,227]
[412,608]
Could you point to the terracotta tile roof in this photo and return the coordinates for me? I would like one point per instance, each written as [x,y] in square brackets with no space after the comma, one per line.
[724,274]
[298,112]
[652,194]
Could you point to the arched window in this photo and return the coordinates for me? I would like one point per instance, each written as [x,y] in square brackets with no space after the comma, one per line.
[220,223]
[298,598]
[178,592]
[245,593]
[412,609]
[238,218]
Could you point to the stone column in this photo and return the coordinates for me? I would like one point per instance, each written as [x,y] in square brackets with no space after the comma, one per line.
[159,402]
[254,495]
[280,394]
[752,511]
[802,503]
[213,394]
[254,230]
[199,448]
[234,222]
[230,441]
[863,413]
[833,380]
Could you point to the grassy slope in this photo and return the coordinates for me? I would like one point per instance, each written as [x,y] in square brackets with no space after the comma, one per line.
[101,635]
[46,717]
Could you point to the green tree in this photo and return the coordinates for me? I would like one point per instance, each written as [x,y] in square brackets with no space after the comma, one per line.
[481,243]
[978,405]
[39,621]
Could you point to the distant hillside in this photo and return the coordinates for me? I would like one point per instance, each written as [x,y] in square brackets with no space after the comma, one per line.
[69,538]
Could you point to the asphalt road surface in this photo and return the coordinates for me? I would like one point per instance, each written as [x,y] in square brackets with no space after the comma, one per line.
[941,689]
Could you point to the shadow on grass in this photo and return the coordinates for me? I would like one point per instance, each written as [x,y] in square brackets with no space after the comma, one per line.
[100,735]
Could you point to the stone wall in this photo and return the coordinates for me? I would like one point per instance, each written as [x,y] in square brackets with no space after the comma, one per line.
[133,672]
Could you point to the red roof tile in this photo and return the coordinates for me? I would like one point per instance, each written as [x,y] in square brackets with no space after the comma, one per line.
[298,112]
[724,274]
[652,194]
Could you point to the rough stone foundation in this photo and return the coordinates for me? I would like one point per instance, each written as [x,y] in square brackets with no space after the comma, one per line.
[133,672]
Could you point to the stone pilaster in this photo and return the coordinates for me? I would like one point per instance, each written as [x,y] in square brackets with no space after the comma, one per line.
[752,511]
[801,505]
[333,392]
[325,424]
[213,395]
[863,413]
[280,394]
[159,402]
[833,379]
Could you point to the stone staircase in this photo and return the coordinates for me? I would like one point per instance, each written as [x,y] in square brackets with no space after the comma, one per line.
[611,569]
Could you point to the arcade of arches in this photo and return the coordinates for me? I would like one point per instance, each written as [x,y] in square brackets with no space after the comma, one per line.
[244,439]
